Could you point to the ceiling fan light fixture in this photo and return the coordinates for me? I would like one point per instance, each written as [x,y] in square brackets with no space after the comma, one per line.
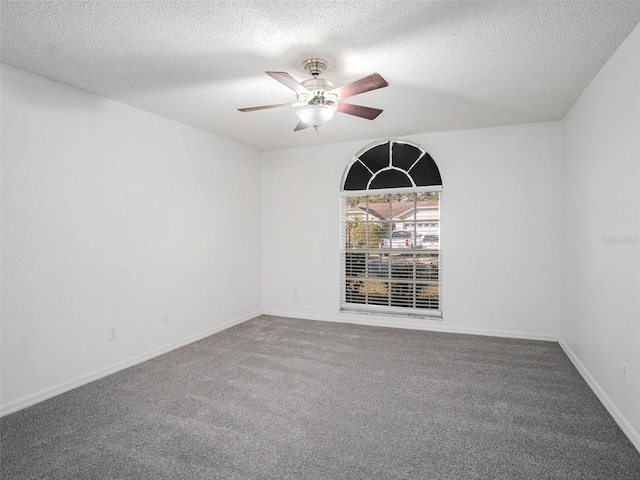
[315,115]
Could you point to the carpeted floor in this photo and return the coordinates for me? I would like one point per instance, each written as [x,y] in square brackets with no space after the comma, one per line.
[280,398]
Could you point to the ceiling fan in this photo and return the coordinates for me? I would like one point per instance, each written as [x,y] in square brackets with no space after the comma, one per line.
[319,100]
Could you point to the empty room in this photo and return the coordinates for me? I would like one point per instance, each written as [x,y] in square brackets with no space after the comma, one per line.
[320,240]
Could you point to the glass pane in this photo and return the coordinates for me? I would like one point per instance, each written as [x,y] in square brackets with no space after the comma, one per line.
[392,257]
[390,179]
[376,158]
[357,178]
[404,155]
[425,172]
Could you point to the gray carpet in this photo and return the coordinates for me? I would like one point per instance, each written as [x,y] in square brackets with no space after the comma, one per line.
[280,398]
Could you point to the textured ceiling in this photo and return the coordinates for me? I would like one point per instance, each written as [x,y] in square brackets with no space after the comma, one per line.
[450,64]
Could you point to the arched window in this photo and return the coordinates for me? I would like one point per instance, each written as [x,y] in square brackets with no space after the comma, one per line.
[391,256]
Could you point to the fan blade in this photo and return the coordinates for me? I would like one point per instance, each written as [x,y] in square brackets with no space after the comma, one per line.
[265,107]
[288,81]
[358,110]
[365,84]
[300,126]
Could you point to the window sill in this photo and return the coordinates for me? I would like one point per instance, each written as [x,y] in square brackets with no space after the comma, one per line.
[386,312]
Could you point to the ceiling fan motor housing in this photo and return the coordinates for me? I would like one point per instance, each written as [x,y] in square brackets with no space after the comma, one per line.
[315,66]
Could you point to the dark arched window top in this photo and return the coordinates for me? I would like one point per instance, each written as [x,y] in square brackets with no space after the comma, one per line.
[391,164]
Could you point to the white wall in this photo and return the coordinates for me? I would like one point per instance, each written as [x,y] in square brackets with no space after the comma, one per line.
[500,231]
[600,326]
[111,215]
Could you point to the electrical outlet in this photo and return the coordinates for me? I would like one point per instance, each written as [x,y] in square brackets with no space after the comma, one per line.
[295,293]
[112,334]
[573,325]
[625,371]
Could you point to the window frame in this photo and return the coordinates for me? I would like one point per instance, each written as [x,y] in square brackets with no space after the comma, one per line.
[385,310]
[390,166]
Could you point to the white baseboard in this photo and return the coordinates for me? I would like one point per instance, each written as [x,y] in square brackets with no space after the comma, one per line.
[622,422]
[414,324]
[76,382]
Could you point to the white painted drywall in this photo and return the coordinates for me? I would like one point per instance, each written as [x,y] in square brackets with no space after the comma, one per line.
[111,215]
[601,230]
[500,230]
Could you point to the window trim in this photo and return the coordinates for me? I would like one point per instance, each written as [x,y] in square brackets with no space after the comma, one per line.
[391,191]
[368,159]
